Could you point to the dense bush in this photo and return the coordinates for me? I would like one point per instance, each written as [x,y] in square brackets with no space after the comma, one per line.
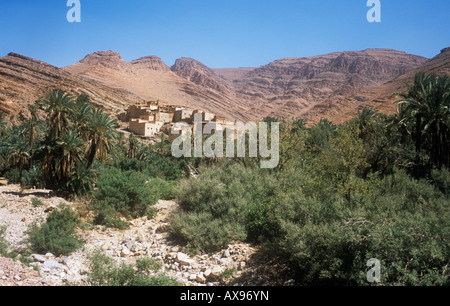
[325,214]
[57,234]
[3,243]
[128,194]
[219,203]
[104,271]
[403,223]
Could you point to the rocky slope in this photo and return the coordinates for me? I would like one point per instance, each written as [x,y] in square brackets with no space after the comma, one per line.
[293,86]
[23,80]
[151,79]
[382,97]
[144,238]
[332,86]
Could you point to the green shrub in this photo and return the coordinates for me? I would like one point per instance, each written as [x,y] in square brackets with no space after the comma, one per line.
[127,193]
[31,178]
[104,271]
[403,223]
[57,235]
[37,202]
[13,176]
[3,243]
[218,205]
[202,232]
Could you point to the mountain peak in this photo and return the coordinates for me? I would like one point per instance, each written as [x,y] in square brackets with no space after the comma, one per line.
[151,62]
[445,50]
[198,73]
[105,58]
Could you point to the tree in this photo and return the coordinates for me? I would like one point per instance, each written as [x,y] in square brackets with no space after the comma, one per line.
[101,132]
[427,106]
[71,149]
[58,104]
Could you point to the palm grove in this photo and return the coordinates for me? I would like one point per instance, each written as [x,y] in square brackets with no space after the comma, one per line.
[374,187]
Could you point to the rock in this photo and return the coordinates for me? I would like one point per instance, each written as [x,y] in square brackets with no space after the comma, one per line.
[51,264]
[139,253]
[49,255]
[125,252]
[184,259]
[200,279]
[216,272]
[207,273]
[225,261]
[50,208]
[130,244]
[192,277]
[241,265]
[226,254]
[38,257]
[106,246]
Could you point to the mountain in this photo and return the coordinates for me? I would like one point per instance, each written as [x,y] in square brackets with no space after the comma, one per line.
[383,97]
[151,79]
[23,80]
[295,86]
[332,86]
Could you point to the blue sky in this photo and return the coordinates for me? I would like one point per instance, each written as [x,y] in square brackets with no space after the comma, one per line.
[219,33]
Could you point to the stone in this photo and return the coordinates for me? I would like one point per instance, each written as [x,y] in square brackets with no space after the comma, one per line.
[216,272]
[192,277]
[241,265]
[207,273]
[200,279]
[51,264]
[38,257]
[125,252]
[226,254]
[184,259]
[50,208]
[106,246]
[225,261]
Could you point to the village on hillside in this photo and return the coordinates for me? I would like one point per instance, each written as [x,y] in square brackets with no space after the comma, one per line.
[149,119]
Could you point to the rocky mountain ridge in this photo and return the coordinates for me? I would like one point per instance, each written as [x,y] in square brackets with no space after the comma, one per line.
[332,86]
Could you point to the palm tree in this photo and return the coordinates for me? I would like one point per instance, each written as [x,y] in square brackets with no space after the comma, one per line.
[19,154]
[133,146]
[427,106]
[59,105]
[3,126]
[81,113]
[101,132]
[71,149]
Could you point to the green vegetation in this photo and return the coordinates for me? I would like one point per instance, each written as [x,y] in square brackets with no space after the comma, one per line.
[37,202]
[3,243]
[57,235]
[105,272]
[376,186]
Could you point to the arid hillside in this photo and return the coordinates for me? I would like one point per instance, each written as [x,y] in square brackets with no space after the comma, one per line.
[151,79]
[295,86]
[332,86]
[23,80]
[383,97]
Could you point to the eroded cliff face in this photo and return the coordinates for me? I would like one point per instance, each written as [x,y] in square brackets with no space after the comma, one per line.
[23,80]
[332,86]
